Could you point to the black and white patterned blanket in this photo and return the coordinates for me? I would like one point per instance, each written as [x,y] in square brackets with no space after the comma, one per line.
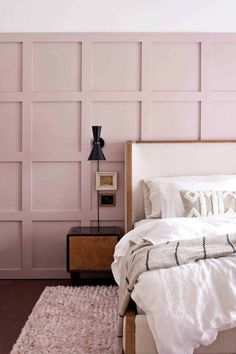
[144,257]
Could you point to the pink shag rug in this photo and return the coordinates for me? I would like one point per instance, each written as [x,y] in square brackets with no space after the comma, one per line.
[71,320]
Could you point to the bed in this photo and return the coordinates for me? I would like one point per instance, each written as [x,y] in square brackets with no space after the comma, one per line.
[168,158]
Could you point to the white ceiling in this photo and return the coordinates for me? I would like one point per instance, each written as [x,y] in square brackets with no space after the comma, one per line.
[117,15]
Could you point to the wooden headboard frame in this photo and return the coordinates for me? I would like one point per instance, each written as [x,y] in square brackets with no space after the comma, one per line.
[218,157]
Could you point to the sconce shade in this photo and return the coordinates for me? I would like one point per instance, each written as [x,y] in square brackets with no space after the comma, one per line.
[97,153]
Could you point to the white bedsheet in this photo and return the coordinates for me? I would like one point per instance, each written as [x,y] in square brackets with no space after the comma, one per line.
[185,305]
[142,222]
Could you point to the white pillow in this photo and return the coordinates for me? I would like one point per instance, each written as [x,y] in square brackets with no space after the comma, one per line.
[172,204]
[161,188]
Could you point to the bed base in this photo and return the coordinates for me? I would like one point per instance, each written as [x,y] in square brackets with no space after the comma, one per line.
[139,340]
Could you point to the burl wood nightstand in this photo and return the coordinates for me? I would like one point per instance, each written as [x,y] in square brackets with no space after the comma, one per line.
[90,250]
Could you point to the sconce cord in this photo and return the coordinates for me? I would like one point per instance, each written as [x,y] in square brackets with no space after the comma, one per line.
[98,222]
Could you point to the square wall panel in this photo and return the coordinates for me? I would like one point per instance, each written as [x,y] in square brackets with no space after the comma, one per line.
[176,67]
[223,66]
[120,121]
[221,124]
[10,126]
[10,66]
[10,245]
[56,185]
[57,66]
[116,67]
[175,120]
[10,186]
[49,243]
[56,126]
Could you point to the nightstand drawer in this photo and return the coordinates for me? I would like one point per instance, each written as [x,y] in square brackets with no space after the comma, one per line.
[91,252]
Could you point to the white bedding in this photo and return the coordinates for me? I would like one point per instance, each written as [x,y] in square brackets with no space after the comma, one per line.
[185,305]
[142,222]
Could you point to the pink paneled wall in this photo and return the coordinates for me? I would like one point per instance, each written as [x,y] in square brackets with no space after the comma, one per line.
[54,87]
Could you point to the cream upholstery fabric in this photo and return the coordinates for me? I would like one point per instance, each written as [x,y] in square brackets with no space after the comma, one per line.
[144,342]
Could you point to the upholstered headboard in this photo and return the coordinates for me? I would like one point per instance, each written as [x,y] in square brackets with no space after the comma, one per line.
[172,158]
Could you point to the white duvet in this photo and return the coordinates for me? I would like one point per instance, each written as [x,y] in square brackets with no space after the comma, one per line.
[187,305]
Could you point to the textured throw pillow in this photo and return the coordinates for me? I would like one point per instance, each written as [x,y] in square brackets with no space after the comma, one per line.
[153,186]
[208,203]
[147,201]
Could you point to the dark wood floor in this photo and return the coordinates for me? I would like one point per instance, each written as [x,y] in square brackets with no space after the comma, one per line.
[17,299]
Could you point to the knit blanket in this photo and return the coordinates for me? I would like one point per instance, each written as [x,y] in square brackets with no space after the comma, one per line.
[146,256]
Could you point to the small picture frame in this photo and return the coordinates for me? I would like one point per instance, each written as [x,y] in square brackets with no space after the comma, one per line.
[107,199]
[106,181]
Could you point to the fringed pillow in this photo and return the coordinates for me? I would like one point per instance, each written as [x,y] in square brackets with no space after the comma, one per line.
[208,203]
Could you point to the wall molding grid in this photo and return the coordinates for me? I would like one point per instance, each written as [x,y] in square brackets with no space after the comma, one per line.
[54,87]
